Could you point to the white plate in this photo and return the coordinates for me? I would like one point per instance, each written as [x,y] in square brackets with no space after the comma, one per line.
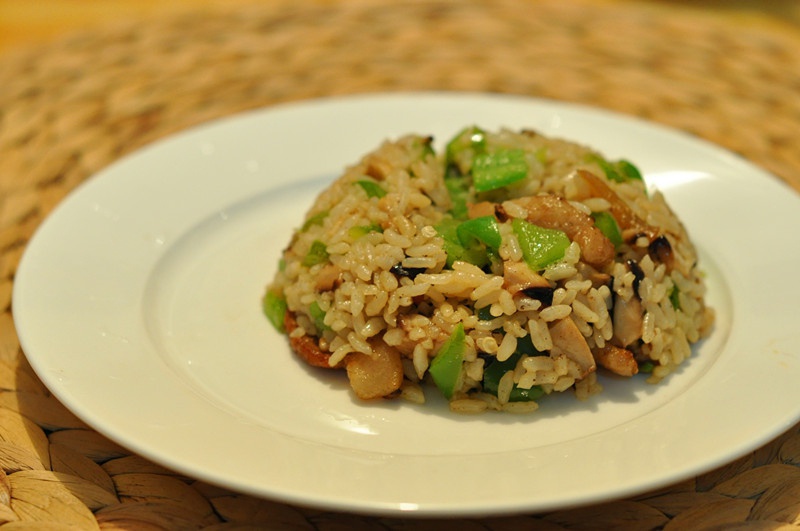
[138,304]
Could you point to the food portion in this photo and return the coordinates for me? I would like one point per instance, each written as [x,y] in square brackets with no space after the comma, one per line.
[506,268]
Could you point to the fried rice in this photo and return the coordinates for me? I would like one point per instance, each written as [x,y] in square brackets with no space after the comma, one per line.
[504,269]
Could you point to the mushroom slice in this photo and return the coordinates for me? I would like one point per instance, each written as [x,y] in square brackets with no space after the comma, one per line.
[568,341]
[517,276]
[627,318]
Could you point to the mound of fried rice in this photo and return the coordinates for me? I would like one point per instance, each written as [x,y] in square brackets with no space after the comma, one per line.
[380,280]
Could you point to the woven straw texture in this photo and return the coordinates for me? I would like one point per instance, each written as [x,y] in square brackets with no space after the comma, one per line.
[70,108]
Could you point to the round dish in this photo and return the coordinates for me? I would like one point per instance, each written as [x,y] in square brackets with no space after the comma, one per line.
[138,304]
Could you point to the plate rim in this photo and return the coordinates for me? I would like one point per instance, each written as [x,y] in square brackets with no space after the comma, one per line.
[366,507]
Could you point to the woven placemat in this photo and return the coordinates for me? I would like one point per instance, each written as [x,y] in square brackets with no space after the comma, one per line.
[70,108]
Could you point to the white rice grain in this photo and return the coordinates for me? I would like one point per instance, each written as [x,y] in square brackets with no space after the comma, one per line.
[507,347]
[584,312]
[540,335]
[556,312]
[504,387]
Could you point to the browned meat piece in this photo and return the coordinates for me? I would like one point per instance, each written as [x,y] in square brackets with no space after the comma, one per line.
[617,360]
[478,210]
[370,377]
[631,225]
[375,376]
[306,346]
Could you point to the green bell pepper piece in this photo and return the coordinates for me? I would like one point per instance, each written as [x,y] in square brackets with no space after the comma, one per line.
[480,230]
[497,369]
[275,308]
[445,368]
[471,139]
[629,171]
[496,170]
[540,246]
[458,188]
[619,171]
[448,230]
[608,226]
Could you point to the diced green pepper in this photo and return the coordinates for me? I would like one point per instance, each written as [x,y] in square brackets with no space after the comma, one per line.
[540,246]
[470,139]
[458,188]
[497,369]
[317,254]
[608,226]
[362,230]
[496,170]
[630,171]
[274,307]
[316,219]
[448,230]
[483,229]
[620,171]
[371,188]
[318,316]
[445,368]
[459,154]
[608,169]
